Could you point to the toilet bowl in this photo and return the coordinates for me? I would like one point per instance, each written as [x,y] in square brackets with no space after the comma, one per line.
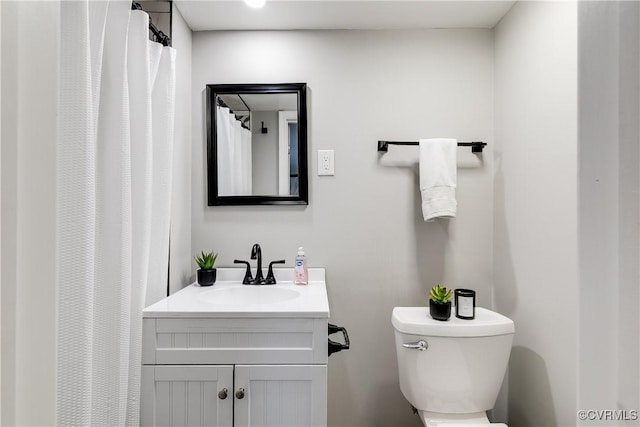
[451,371]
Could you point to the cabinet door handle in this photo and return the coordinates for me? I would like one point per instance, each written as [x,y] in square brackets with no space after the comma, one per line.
[240,393]
[222,394]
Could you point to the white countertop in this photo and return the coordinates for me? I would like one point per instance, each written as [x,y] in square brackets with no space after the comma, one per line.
[302,301]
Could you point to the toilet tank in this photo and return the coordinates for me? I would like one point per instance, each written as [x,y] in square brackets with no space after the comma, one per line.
[462,369]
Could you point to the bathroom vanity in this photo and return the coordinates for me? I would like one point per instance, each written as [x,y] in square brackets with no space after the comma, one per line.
[237,355]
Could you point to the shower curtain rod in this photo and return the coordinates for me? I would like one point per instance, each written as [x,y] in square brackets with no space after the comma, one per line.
[222,103]
[159,36]
[476,146]
[245,104]
[243,123]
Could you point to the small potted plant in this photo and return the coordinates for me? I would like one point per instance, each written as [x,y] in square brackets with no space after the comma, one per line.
[440,302]
[206,273]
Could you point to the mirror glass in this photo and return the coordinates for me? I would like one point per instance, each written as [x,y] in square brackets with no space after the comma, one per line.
[257,144]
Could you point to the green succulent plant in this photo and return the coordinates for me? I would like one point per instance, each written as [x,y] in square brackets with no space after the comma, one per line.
[440,294]
[206,261]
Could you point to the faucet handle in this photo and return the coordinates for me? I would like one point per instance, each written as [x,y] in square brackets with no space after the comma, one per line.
[248,278]
[271,279]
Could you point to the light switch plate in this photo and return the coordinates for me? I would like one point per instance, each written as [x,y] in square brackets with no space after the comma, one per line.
[326,162]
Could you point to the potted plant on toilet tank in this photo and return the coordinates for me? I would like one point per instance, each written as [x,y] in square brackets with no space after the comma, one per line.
[206,273]
[440,302]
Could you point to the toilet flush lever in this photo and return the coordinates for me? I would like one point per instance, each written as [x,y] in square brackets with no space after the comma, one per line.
[418,345]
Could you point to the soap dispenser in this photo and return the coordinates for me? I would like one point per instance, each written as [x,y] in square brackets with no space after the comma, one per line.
[300,272]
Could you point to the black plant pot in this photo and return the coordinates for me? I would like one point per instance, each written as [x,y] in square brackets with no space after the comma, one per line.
[439,311]
[206,277]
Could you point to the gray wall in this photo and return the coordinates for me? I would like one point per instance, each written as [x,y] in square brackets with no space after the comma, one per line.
[609,47]
[535,217]
[28,204]
[364,224]
[182,264]
[264,153]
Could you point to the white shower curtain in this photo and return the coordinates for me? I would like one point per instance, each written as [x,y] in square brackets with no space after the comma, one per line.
[114,174]
[234,155]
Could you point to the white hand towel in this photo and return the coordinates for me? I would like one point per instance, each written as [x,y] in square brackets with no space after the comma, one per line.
[438,178]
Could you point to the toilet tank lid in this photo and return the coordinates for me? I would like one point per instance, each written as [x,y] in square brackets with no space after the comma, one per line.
[417,321]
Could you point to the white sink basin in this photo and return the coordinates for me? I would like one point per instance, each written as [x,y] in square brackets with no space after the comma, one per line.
[249,295]
[229,298]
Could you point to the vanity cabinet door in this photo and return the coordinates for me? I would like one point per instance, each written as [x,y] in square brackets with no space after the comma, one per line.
[280,395]
[186,396]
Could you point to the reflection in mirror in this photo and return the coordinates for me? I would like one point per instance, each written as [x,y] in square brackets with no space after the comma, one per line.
[257,144]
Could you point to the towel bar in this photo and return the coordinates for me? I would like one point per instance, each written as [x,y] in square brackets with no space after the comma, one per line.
[476,146]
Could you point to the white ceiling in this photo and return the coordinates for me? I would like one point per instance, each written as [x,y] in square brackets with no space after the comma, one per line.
[203,15]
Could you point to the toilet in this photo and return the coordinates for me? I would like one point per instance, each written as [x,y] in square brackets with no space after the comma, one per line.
[451,371]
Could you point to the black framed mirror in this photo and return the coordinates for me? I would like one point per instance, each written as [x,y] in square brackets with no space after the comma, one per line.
[257,144]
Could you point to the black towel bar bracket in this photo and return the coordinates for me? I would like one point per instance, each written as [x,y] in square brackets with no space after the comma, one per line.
[476,146]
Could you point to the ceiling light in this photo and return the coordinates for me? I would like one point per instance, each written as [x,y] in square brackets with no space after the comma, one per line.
[255,3]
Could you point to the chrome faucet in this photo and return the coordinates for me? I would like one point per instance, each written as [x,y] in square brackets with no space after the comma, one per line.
[256,253]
